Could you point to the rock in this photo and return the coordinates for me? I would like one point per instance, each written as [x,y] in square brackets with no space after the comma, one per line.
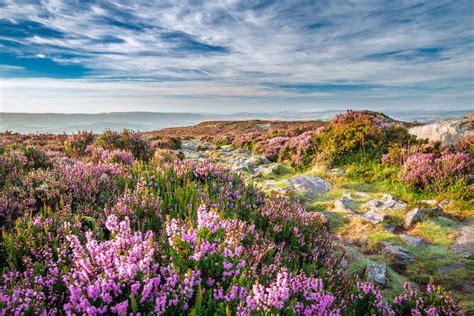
[433,211]
[451,267]
[414,216]
[377,273]
[343,204]
[469,221]
[413,241]
[309,185]
[464,244]
[336,171]
[388,202]
[448,132]
[399,257]
[375,217]
[362,194]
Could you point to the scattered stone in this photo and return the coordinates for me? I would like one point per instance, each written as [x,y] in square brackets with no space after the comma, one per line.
[336,171]
[377,273]
[343,204]
[464,244]
[375,217]
[451,267]
[388,202]
[413,241]
[309,185]
[414,216]
[362,194]
[433,211]
[469,221]
[444,203]
[399,257]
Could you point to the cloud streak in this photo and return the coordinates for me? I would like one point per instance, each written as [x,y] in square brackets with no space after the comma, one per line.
[298,52]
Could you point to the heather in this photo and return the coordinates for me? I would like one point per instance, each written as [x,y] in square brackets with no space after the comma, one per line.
[105,229]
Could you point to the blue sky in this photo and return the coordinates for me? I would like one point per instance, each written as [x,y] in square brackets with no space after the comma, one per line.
[233,56]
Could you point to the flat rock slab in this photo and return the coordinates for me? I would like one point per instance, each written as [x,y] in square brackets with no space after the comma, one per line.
[414,241]
[389,202]
[344,204]
[464,244]
[375,217]
[451,267]
[309,185]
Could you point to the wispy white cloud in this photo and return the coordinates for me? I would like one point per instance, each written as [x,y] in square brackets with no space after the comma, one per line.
[157,50]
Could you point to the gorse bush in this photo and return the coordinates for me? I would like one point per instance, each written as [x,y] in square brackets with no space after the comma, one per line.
[101,236]
[358,136]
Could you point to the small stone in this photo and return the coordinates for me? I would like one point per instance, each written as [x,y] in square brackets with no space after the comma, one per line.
[464,244]
[343,204]
[388,202]
[362,194]
[413,241]
[414,216]
[377,273]
[336,171]
[399,257]
[375,217]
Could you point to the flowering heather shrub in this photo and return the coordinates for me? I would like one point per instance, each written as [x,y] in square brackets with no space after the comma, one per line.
[427,171]
[99,154]
[299,150]
[270,148]
[397,155]
[126,140]
[75,145]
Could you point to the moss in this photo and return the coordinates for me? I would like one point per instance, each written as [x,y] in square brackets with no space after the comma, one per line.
[375,239]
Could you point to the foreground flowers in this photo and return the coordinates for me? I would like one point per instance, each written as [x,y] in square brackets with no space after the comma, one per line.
[118,236]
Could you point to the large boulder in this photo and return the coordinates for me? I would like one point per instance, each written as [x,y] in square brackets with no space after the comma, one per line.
[309,185]
[399,257]
[389,202]
[448,132]
[464,244]
[377,273]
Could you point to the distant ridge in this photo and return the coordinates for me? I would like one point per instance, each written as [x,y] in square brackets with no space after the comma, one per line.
[148,121]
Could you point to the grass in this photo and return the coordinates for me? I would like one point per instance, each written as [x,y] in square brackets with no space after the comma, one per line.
[438,230]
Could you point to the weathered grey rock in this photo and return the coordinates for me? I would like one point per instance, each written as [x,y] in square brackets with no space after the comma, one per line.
[464,244]
[336,171]
[388,202]
[430,202]
[362,194]
[413,241]
[448,132]
[343,204]
[451,267]
[309,185]
[414,216]
[377,273]
[469,221]
[375,217]
[399,257]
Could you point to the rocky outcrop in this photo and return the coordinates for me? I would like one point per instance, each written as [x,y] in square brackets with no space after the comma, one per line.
[375,217]
[344,204]
[309,185]
[448,132]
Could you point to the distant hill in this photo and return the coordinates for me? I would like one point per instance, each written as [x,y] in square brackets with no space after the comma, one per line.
[148,121]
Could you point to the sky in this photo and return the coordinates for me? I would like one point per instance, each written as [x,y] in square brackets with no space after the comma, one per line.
[232,56]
